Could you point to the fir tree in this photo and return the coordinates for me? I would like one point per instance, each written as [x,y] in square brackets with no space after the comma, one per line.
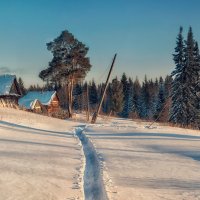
[177,84]
[186,75]
[32,88]
[84,97]
[126,94]
[167,95]
[144,100]
[153,94]
[168,86]
[77,93]
[197,64]
[21,86]
[136,97]
[107,100]
[131,104]
[93,95]
[160,98]
[116,96]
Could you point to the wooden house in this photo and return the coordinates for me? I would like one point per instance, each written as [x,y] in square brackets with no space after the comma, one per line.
[9,91]
[45,101]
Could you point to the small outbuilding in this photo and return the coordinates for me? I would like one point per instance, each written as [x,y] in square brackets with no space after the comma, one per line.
[9,90]
[38,101]
[31,105]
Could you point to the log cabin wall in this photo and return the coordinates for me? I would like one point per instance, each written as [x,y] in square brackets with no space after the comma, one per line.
[37,107]
[9,101]
[54,106]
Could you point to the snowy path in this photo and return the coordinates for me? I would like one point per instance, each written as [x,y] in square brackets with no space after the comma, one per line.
[93,180]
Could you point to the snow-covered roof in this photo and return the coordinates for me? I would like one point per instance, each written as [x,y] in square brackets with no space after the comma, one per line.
[27,103]
[45,98]
[6,82]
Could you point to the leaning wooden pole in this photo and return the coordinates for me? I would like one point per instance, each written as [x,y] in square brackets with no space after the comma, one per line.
[88,105]
[94,117]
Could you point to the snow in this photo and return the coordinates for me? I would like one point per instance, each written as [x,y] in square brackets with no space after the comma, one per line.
[147,164]
[27,103]
[93,180]
[44,97]
[6,82]
[42,159]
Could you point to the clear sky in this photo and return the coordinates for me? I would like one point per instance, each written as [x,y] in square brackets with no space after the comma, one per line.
[142,32]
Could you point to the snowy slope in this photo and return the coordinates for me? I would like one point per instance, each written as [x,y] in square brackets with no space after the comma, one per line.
[40,158]
[147,164]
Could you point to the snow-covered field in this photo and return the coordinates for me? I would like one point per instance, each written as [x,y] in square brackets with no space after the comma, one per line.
[148,164]
[41,159]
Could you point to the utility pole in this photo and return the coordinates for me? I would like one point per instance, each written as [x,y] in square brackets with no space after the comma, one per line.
[94,117]
[88,104]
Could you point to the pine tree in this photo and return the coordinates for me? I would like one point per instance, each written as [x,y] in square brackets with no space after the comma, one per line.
[168,86]
[116,96]
[160,98]
[164,117]
[69,64]
[153,94]
[177,84]
[107,100]
[131,104]
[144,99]
[84,96]
[184,86]
[191,79]
[197,64]
[197,85]
[154,87]
[21,86]
[136,97]
[77,93]
[93,94]
[32,88]
[126,94]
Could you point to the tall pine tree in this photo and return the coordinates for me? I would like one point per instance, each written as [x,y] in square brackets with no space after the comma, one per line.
[177,83]
[21,86]
[93,95]
[184,109]
[126,94]
[116,96]
[160,103]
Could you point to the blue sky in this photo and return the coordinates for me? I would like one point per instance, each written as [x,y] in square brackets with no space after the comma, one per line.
[142,32]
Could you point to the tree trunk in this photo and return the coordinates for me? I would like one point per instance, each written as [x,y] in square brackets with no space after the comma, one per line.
[110,113]
[70,97]
[69,100]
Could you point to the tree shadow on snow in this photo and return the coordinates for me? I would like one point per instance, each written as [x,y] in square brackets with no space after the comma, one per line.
[194,154]
[143,136]
[26,129]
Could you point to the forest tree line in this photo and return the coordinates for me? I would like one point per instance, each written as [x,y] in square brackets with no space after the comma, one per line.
[127,98]
[124,97]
